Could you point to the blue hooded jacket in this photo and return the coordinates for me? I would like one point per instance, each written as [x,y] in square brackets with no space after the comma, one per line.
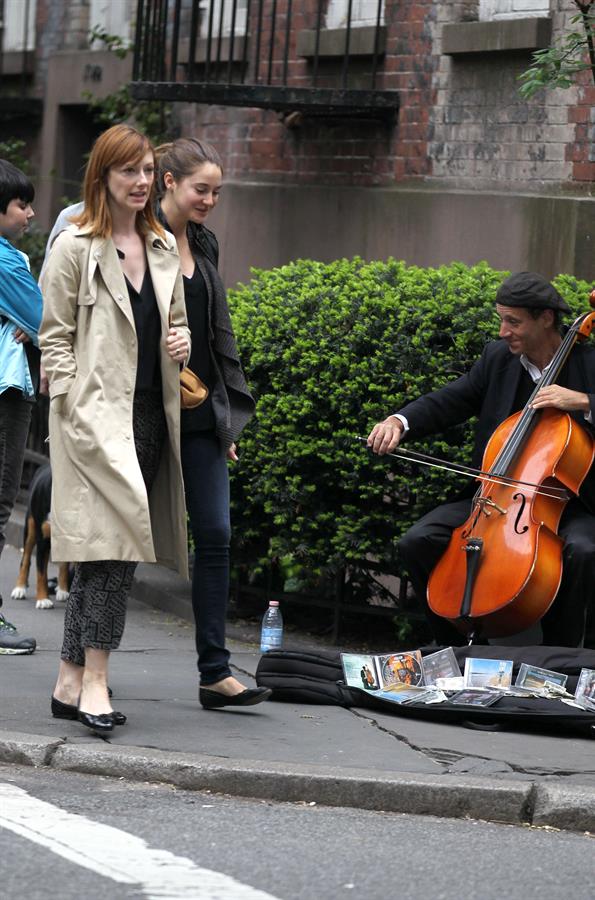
[20,307]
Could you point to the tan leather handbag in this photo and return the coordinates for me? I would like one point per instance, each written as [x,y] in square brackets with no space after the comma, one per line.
[193,391]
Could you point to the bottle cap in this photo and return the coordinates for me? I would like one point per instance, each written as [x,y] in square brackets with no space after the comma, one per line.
[273,603]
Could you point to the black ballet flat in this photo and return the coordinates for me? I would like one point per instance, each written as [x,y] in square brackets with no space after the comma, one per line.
[69,711]
[101,724]
[64,710]
[249,697]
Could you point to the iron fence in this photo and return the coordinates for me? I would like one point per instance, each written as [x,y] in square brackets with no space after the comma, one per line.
[276,54]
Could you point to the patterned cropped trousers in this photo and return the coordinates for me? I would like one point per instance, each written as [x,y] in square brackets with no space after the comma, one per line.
[96,608]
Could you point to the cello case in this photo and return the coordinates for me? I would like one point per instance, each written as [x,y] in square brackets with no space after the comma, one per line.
[316,677]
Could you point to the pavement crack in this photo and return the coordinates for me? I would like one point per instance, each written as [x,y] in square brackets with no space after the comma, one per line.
[395,734]
[453,761]
[51,751]
[243,671]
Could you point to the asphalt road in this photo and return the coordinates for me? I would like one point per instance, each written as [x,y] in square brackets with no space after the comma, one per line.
[237,849]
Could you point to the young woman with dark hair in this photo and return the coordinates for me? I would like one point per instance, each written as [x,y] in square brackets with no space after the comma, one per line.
[189,182]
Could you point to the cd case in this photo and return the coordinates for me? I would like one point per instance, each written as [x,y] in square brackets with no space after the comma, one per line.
[475,698]
[489,674]
[442,664]
[533,678]
[585,689]
[384,671]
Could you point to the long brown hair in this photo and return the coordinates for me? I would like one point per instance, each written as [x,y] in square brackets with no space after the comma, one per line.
[117,146]
[182,157]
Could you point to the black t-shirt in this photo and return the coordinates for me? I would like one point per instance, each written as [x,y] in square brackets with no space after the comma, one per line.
[202,417]
[147,322]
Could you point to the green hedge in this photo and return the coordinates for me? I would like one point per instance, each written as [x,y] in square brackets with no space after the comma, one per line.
[329,350]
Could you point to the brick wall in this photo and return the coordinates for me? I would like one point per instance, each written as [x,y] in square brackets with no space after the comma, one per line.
[261,145]
[461,123]
[485,134]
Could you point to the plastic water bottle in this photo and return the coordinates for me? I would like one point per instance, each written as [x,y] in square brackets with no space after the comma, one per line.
[271,635]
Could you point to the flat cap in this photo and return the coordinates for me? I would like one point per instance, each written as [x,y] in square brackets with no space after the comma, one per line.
[531,291]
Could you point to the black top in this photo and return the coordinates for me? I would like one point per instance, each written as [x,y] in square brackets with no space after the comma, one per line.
[202,417]
[147,322]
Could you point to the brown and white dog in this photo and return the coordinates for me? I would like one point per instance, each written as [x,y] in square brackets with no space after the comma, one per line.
[38,535]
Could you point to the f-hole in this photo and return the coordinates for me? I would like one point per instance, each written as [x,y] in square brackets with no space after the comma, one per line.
[523,499]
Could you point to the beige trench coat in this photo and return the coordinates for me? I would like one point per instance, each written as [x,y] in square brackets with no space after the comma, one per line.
[100,509]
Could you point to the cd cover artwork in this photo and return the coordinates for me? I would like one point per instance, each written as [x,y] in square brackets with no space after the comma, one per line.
[534,678]
[585,689]
[442,664]
[401,668]
[475,698]
[488,673]
[360,671]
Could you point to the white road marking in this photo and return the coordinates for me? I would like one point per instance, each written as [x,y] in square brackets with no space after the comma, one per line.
[116,854]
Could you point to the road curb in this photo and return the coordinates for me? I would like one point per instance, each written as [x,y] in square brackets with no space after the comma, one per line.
[503,800]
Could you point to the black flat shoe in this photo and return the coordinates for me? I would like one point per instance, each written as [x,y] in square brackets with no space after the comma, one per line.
[68,711]
[249,697]
[64,710]
[102,723]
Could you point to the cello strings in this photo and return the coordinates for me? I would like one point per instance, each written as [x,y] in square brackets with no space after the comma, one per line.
[508,451]
[422,459]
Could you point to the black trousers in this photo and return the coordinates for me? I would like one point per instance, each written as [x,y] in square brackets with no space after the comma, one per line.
[96,607]
[15,418]
[206,481]
[564,624]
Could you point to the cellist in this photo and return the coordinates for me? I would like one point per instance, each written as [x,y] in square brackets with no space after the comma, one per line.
[500,383]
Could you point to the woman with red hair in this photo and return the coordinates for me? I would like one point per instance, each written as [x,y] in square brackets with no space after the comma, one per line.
[113,336]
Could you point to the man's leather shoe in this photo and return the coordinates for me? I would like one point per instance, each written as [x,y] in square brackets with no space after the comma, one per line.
[69,711]
[102,723]
[249,697]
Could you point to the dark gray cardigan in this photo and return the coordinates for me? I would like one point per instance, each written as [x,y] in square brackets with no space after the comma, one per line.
[233,404]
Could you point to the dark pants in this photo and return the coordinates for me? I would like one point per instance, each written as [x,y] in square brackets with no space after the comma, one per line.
[206,481]
[15,419]
[95,613]
[564,623]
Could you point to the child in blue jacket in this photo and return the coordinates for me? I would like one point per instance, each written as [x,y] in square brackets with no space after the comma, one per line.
[20,317]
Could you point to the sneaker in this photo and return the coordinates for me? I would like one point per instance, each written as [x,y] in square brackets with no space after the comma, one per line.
[11,642]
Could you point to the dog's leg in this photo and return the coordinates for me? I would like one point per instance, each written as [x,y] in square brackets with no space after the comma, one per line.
[43,558]
[19,591]
[62,591]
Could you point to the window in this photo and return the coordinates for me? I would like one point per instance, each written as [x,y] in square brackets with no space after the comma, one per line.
[112,15]
[19,25]
[512,9]
[225,8]
[363,12]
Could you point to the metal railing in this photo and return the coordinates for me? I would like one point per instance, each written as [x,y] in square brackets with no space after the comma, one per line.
[270,53]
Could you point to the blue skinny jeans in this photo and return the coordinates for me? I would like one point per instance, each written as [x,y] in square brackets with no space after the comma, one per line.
[206,480]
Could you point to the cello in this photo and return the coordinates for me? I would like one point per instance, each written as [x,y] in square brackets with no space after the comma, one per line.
[502,568]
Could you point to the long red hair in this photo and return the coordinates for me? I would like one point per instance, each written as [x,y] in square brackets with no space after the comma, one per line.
[117,146]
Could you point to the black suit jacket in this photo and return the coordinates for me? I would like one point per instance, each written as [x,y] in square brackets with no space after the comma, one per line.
[488,391]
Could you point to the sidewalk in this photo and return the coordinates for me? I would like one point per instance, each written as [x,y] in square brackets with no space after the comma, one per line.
[277,751]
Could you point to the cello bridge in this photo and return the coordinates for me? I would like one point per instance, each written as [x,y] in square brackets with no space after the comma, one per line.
[484,502]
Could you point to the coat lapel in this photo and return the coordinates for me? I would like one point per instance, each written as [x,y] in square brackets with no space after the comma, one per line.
[164,265]
[103,256]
